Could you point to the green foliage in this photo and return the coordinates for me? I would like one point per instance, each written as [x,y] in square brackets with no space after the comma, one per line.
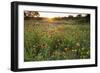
[45,41]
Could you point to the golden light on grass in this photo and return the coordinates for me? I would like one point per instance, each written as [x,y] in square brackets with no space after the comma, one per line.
[50,20]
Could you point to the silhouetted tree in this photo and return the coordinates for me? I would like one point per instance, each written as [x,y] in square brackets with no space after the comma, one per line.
[31,14]
[70,16]
[87,17]
[79,16]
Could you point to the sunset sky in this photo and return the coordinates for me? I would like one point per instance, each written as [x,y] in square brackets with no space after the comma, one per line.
[55,14]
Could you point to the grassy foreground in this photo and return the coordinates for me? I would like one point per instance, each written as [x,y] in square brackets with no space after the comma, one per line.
[56,40]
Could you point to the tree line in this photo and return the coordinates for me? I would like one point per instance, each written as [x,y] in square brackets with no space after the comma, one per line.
[36,15]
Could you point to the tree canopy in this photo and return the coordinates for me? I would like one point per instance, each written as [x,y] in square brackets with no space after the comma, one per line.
[31,14]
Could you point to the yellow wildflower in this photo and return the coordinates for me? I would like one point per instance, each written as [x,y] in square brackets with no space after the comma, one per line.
[66,49]
[77,44]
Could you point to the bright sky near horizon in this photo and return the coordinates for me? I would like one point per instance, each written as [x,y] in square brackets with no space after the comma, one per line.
[58,14]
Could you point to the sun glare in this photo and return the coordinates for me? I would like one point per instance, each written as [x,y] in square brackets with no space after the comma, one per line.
[50,19]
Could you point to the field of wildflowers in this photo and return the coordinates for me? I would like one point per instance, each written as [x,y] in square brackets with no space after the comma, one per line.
[56,40]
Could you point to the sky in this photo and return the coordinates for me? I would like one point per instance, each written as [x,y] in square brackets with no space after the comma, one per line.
[58,14]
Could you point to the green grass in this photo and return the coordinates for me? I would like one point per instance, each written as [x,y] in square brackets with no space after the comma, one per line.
[45,41]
